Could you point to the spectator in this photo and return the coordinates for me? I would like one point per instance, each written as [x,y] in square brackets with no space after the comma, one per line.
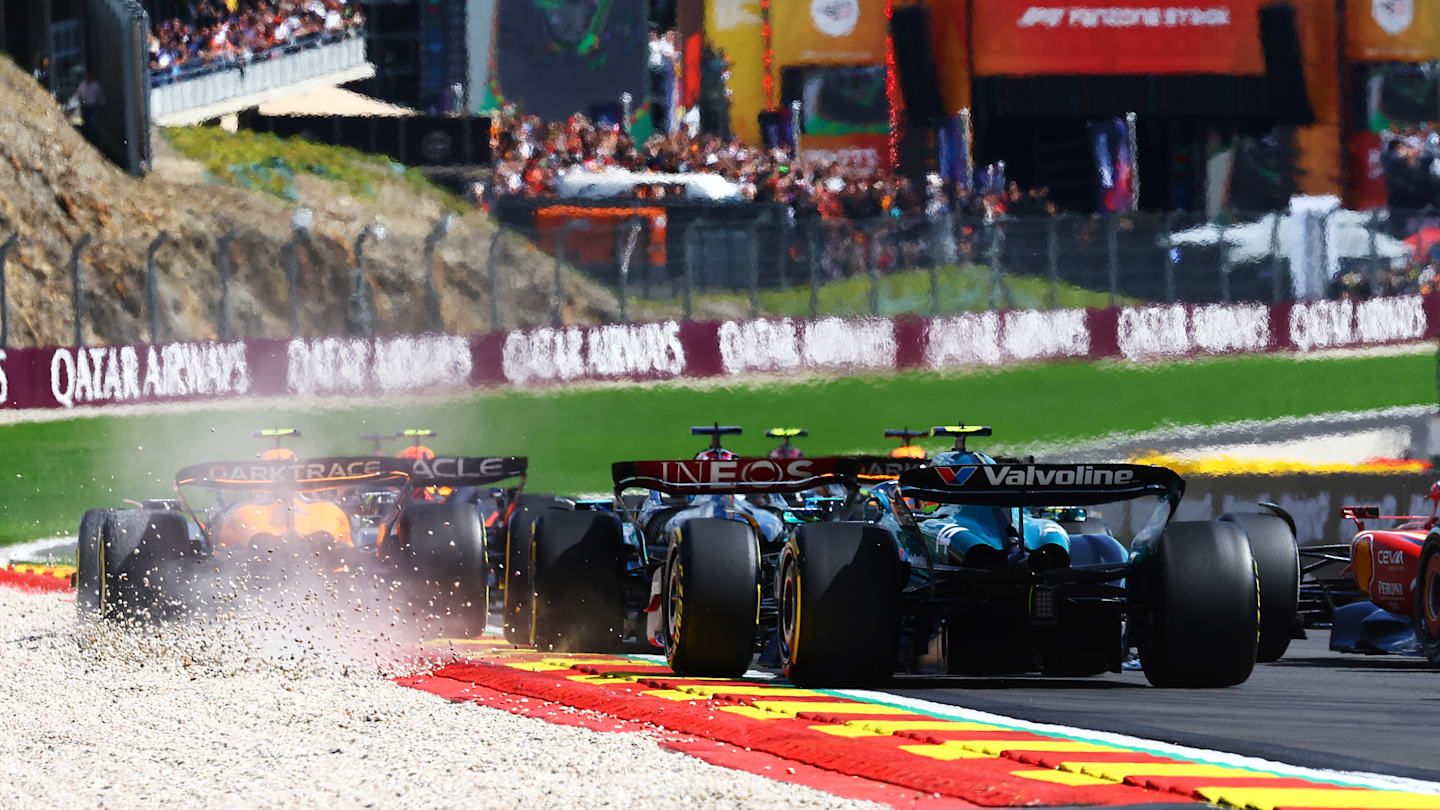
[92,97]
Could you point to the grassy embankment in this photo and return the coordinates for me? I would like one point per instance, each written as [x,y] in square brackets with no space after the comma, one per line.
[53,471]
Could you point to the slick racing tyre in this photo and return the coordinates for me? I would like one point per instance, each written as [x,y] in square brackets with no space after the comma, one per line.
[1201,599]
[1277,558]
[516,584]
[577,569]
[142,568]
[1427,599]
[839,605]
[443,545]
[89,576]
[711,598]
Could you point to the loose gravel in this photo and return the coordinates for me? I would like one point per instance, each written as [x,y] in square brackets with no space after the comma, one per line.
[211,716]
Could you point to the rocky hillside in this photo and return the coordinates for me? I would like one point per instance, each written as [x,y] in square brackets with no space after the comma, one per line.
[54,189]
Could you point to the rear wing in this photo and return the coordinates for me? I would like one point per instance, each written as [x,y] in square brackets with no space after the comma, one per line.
[735,476]
[303,475]
[1041,484]
[466,471]
[886,468]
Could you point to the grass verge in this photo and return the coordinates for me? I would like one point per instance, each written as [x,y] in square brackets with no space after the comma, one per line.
[265,162]
[55,470]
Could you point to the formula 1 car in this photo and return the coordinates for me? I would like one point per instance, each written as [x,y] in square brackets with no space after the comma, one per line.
[709,529]
[352,515]
[1398,571]
[972,582]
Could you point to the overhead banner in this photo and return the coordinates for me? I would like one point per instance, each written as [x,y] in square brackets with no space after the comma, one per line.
[1392,31]
[828,32]
[1100,39]
[733,28]
[556,59]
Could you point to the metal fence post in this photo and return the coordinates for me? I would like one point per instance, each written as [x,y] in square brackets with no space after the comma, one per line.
[1276,289]
[299,234]
[997,283]
[754,280]
[1224,266]
[1052,259]
[637,224]
[1112,257]
[152,311]
[937,243]
[432,298]
[814,251]
[223,265]
[496,324]
[361,313]
[78,292]
[689,269]
[556,316]
[1168,275]
[1374,248]
[4,293]
[872,232]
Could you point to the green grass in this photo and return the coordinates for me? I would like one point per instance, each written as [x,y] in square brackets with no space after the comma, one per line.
[55,470]
[961,289]
[267,162]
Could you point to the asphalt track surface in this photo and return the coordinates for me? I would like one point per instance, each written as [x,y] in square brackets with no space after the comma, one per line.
[1313,708]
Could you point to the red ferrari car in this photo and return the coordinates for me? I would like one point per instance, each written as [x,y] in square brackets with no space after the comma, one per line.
[1399,568]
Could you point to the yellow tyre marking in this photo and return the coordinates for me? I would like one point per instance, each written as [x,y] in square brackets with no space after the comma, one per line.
[1271,798]
[884,728]
[1062,778]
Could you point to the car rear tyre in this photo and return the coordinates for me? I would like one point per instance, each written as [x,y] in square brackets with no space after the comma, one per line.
[516,585]
[1200,592]
[839,605]
[143,571]
[1427,599]
[443,544]
[1277,558]
[711,598]
[577,568]
[89,584]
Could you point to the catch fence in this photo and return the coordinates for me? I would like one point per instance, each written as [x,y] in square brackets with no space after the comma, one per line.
[562,265]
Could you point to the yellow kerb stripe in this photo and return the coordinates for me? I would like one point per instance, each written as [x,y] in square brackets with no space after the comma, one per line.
[1271,798]
[1062,778]
[794,707]
[1119,771]
[705,693]
[883,728]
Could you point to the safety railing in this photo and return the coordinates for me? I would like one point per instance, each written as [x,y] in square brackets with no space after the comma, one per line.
[314,58]
[648,264]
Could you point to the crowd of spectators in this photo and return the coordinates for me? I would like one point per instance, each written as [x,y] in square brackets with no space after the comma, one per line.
[531,156]
[232,33]
[883,214]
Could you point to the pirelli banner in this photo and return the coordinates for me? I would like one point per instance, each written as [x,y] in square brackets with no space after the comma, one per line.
[1106,38]
[71,377]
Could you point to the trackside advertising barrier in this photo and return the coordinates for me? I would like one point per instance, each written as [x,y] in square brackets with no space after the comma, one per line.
[68,377]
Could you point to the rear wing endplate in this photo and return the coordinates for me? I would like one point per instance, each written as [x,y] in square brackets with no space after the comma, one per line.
[1041,484]
[734,476]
